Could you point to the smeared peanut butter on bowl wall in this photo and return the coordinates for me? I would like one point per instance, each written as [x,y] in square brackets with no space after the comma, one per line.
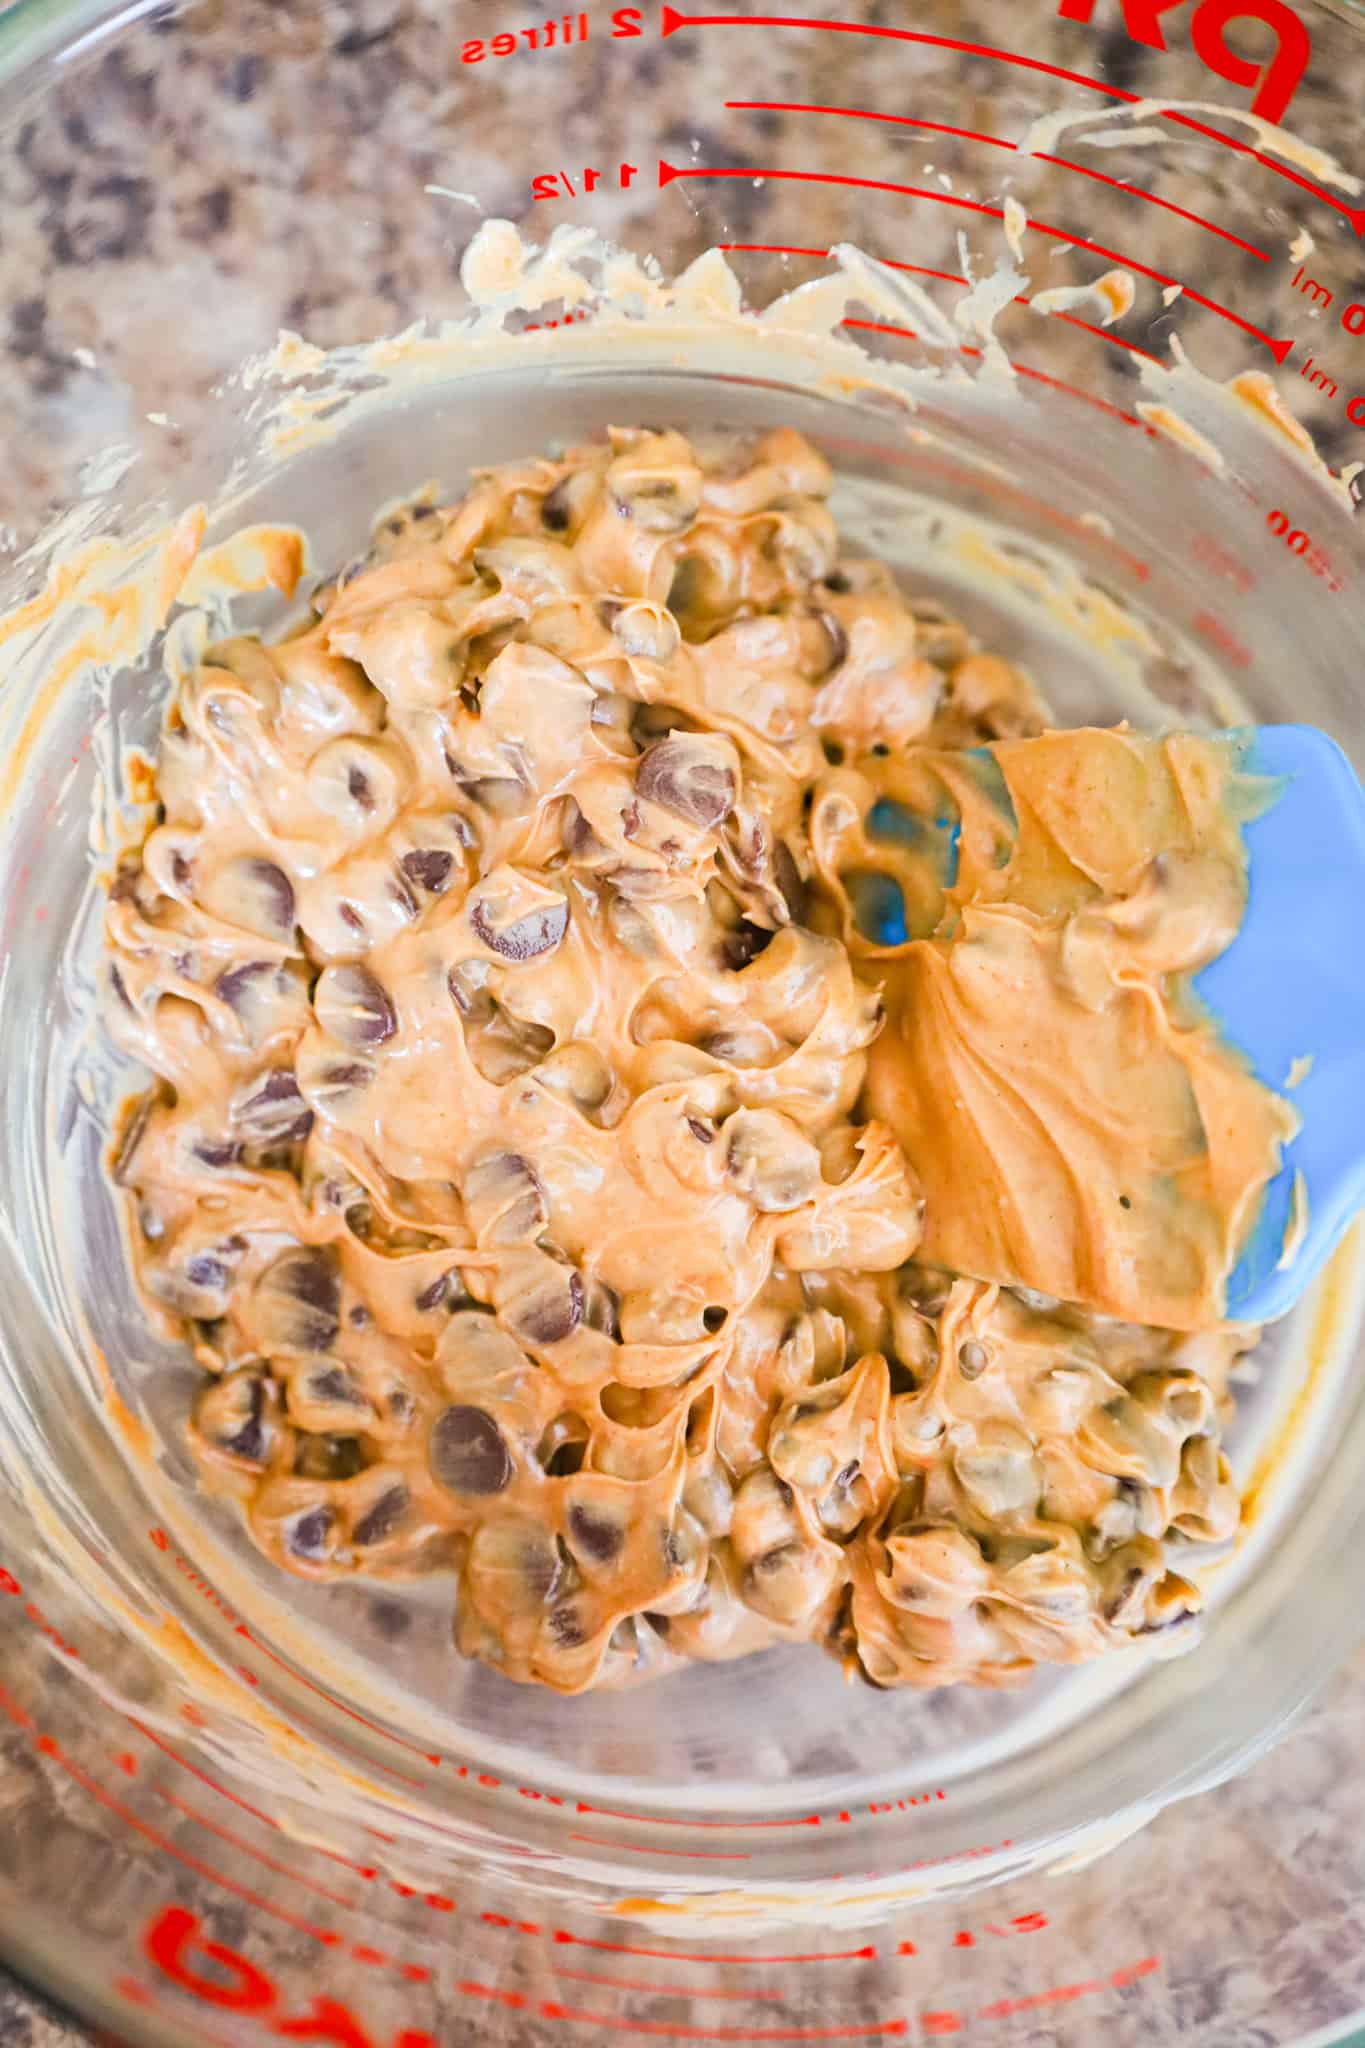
[581,969]
[1075,1124]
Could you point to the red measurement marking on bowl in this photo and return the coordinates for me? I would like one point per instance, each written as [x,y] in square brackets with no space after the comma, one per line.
[1304,546]
[49,1747]
[1199,220]
[665,1990]
[550,184]
[668,173]
[11,1589]
[1354,214]
[177,1946]
[564,1939]
[1067,1994]
[809,1820]
[1020,369]
[568,30]
[247,1848]
[1206,548]
[616,2023]
[362,1870]
[1351,318]
[486,1779]
[998,142]
[547,35]
[1276,83]
[671,21]
[190,1573]
[648,1849]
[1223,638]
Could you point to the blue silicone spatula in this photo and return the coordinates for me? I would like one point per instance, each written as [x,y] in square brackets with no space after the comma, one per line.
[1290,993]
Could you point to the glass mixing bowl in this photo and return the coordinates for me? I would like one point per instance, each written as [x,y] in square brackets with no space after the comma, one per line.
[245,1808]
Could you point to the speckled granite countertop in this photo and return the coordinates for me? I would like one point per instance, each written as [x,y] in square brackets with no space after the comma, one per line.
[123,208]
[29,2022]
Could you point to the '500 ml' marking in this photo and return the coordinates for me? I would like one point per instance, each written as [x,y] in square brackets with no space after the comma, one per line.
[1304,546]
[1276,81]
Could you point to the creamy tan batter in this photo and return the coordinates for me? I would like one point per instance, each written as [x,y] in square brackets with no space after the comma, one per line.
[528,1163]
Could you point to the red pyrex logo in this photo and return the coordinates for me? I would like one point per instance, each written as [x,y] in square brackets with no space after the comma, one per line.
[177,1945]
[1275,77]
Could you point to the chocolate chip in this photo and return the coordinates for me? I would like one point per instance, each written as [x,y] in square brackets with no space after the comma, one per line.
[682,775]
[299,1300]
[504,1199]
[271,896]
[391,1620]
[230,1415]
[347,1074]
[383,1518]
[249,1442]
[358,788]
[553,1310]
[566,1627]
[204,1270]
[554,510]
[233,985]
[272,1111]
[972,1360]
[353,1007]
[218,1152]
[526,938]
[1123,1593]
[787,876]
[602,1310]
[438,1294]
[333,1385]
[468,1453]
[559,1453]
[837,637]
[359,1316]
[504,795]
[594,1535]
[541,1567]
[133,1133]
[744,944]
[429,867]
[703,1133]
[400,894]
[328,1457]
[308,1535]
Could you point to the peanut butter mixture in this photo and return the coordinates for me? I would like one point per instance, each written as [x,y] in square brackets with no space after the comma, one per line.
[674,1101]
